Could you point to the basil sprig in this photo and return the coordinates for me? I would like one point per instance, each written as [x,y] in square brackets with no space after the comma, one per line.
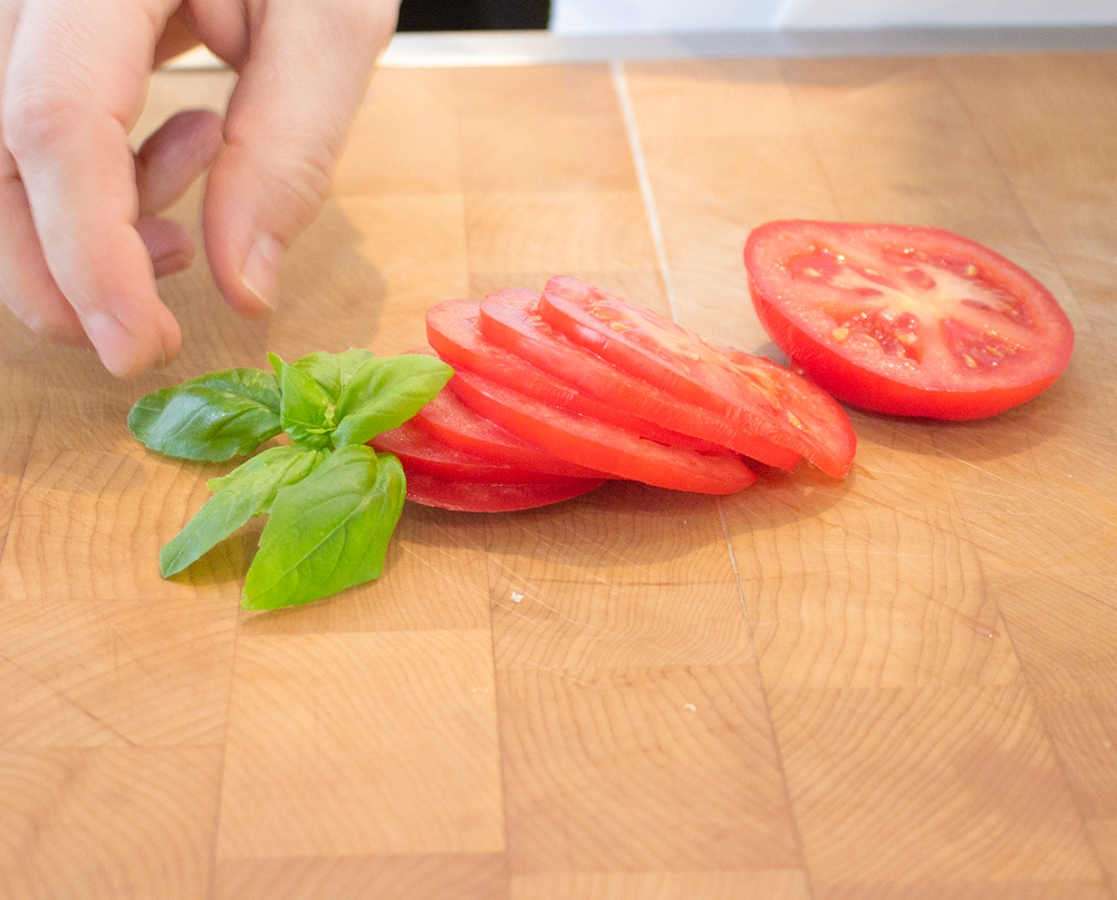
[332,501]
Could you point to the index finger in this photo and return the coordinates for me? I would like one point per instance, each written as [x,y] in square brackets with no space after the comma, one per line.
[74,88]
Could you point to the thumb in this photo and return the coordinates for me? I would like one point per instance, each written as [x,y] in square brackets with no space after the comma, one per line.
[306,72]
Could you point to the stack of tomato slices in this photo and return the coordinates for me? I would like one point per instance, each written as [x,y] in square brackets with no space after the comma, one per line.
[555,392]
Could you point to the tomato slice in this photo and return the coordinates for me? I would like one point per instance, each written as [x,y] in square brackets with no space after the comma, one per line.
[904,319]
[757,395]
[470,496]
[421,452]
[601,445]
[453,423]
[456,425]
[511,320]
[453,331]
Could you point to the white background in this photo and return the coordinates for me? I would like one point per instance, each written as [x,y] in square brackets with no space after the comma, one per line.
[637,16]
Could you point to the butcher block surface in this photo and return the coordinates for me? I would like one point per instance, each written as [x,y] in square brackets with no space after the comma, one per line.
[902,684]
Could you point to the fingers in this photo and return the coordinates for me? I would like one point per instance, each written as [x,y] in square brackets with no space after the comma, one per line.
[26,285]
[72,91]
[80,245]
[173,157]
[169,245]
[167,163]
[307,72]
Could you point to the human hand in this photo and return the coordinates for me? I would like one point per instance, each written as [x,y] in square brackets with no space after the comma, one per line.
[80,239]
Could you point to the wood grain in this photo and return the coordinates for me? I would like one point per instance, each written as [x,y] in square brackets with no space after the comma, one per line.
[896,591]
[900,685]
[354,744]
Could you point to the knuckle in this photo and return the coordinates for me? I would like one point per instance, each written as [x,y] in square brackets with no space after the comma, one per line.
[37,117]
[304,181]
[360,20]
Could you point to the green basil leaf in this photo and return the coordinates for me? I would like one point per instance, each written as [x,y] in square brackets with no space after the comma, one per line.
[277,363]
[211,418]
[332,371]
[323,368]
[384,393]
[349,363]
[306,412]
[247,491]
[329,531]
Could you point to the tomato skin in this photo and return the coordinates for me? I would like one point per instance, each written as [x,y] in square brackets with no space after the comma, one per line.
[906,320]
[600,445]
[453,423]
[511,320]
[422,453]
[760,396]
[465,496]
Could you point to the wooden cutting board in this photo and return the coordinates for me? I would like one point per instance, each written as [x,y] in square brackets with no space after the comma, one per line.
[900,685]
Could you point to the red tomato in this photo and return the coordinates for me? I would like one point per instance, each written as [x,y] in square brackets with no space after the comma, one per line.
[511,319]
[422,453]
[468,496]
[452,329]
[906,320]
[456,425]
[600,445]
[759,396]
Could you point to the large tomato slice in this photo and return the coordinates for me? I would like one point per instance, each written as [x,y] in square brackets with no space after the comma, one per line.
[471,496]
[600,445]
[452,330]
[759,396]
[511,319]
[906,320]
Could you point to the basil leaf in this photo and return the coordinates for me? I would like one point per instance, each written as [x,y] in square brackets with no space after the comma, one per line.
[384,393]
[332,371]
[329,531]
[350,362]
[245,492]
[306,412]
[211,418]
[324,369]
[277,363]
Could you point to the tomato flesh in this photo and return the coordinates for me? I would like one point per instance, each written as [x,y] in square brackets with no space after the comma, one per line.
[511,319]
[906,320]
[600,445]
[468,496]
[759,396]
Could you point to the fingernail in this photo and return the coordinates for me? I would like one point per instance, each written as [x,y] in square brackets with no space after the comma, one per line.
[261,270]
[117,347]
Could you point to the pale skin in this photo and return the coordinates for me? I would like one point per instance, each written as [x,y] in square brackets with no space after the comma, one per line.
[81,239]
